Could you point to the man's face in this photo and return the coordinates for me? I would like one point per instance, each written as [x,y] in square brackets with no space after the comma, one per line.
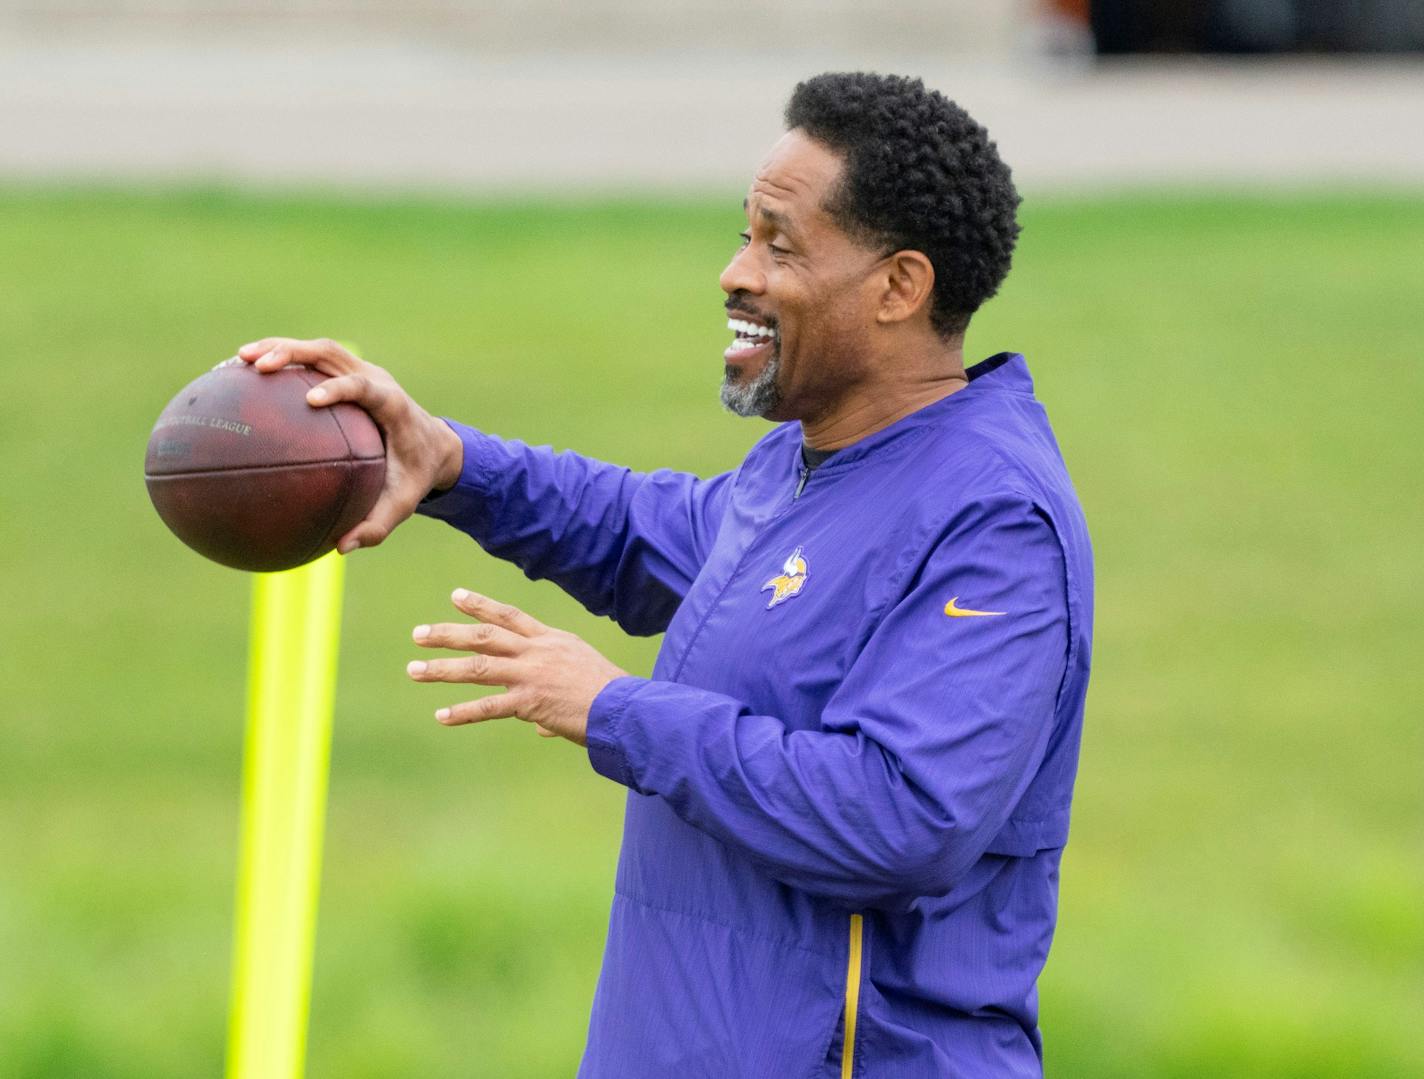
[799,297]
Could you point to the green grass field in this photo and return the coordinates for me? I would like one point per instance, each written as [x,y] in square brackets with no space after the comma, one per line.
[1237,386]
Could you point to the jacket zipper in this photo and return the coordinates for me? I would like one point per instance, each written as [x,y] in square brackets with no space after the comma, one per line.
[852,995]
[857,928]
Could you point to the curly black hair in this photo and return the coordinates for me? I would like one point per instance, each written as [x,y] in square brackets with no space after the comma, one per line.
[920,174]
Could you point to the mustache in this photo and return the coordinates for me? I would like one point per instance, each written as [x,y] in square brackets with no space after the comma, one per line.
[738,304]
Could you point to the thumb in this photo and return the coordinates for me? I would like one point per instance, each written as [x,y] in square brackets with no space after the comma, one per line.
[379,524]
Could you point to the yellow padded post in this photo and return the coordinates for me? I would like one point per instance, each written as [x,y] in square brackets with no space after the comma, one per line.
[296,625]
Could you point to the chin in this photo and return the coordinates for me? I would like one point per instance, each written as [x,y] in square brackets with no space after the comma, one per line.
[758,395]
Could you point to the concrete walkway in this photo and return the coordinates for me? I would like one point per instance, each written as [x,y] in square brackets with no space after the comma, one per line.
[421,116]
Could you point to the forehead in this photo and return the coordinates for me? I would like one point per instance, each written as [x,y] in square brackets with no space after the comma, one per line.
[795,178]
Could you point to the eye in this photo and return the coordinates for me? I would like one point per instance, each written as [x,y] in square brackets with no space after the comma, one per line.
[777,250]
[745,237]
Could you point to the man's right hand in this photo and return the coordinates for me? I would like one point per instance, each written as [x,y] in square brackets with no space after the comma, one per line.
[422,453]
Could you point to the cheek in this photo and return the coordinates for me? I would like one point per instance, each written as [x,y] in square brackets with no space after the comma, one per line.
[820,322]
[799,316]
[811,313]
[830,341]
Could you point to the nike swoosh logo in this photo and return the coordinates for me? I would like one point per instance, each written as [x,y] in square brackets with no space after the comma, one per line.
[960,612]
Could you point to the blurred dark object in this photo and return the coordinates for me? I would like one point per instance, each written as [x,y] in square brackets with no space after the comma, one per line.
[1257,26]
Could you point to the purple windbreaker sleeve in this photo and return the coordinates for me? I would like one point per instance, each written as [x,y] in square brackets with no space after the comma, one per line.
[624,544]
[923,751]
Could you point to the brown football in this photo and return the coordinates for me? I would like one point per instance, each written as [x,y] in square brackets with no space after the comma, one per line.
[246,473]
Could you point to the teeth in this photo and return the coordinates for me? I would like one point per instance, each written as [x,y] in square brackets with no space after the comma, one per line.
[749,329]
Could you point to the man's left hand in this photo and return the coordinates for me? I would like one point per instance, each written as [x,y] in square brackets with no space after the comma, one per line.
[551,676]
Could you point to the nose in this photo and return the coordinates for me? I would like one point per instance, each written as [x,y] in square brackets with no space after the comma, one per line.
[743,275]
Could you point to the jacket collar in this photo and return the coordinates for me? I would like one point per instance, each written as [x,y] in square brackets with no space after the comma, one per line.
[1004,373]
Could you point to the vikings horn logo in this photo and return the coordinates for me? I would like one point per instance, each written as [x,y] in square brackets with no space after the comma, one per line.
[789,581]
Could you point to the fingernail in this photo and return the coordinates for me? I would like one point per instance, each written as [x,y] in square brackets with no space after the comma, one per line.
[317,394]
[266,356]
[442,714]
[348,547]
[421,632]
[415,666]
[460,595]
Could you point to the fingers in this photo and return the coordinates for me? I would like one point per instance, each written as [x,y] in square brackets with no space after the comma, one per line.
[356,388]
[273,353]
[251,351]
[483,637]
[495,706]
[497,642]
[500,614]
[418,450]
[477,669]
[384,401]
[395,504]
[397,501]
[390,510]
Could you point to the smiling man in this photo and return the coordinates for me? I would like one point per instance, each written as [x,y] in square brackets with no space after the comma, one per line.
[850,770]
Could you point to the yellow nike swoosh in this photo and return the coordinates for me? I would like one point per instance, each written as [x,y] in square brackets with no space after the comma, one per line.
[959,612]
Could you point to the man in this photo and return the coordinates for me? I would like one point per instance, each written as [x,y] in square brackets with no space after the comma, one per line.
[850,771]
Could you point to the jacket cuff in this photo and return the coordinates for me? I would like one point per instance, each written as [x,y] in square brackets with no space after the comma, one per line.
[472,489]
[605,747]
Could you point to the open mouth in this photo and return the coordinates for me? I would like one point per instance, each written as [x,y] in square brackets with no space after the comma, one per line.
[749,337]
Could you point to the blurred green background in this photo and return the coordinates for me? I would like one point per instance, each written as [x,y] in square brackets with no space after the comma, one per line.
[1236,384]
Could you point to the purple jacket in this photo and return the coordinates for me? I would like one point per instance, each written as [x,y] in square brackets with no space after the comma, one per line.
[851,769]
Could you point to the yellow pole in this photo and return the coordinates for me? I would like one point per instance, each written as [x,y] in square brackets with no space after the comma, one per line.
[296,622]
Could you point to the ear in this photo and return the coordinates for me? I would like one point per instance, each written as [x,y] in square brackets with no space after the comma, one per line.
[909,285]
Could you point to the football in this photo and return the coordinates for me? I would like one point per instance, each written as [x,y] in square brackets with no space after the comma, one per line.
[246,473]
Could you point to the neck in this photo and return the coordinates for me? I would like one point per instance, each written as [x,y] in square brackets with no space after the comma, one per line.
[876,403]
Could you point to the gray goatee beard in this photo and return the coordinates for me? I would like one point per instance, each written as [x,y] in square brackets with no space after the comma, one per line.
[754,398]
